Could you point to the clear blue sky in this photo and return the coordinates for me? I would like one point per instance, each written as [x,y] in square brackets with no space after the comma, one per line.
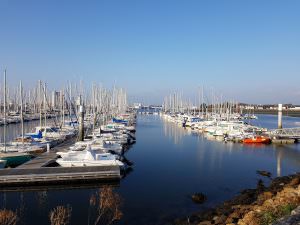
[247,50]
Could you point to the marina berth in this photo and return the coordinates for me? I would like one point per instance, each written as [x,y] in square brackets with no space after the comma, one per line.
[257,140]
[76,136]
[89,157]
[49,132]
[150,112]
[99,145]
[102,131]
[191,121]
[222,120]
[14,159]
[228,130]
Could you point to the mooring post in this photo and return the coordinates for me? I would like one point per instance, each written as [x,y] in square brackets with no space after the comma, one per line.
[279,116]
[81,123]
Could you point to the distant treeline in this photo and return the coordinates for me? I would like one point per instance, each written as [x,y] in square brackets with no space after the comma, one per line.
[294,113]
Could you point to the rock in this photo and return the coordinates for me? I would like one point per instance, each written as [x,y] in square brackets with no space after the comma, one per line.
[220,219]
[249,219]
[229,220]
[295,181]
[248,207]
[260,187]
[264,196]
[264,173]
[296,211]
[199,198]
[293,219]
[233,217]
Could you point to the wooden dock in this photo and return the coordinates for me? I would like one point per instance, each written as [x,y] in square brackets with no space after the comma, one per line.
[48,157]
[57,175]
[283,141]
[35,173]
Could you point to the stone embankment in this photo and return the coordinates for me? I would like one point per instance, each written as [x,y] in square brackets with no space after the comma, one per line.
[277,204]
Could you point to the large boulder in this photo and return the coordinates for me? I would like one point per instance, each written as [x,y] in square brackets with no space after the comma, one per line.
[199,198]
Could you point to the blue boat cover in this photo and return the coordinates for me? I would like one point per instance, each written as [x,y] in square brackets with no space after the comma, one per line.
[120,121]
[38,135]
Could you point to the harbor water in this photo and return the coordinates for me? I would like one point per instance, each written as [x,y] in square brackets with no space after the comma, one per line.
[170,164]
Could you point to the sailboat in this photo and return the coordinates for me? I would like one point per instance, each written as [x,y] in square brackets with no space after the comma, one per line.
[12,158]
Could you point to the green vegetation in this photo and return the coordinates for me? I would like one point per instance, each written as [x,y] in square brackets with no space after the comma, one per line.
[270,216]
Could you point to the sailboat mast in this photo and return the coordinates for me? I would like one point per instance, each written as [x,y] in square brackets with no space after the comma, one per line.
[70,99]
[93,107]
[22,118]
[4,111]
[45,100]
[62,106]
[40,102]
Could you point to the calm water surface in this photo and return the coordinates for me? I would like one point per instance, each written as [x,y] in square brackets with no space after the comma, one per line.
[170,163]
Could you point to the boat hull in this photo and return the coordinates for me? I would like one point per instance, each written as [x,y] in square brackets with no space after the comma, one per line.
[2,163]
[14,161]
[65,163]
[259,140]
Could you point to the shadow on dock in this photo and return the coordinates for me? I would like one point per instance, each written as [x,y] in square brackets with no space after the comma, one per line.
[58,176]
[55,187]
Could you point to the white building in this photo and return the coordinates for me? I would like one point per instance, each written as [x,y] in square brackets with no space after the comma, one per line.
[137,105]
[55,100]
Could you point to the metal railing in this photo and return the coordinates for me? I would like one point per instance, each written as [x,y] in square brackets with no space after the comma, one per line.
[285,132]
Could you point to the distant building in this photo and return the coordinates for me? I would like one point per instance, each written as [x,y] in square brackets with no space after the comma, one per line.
[137,105]
[79,101]
[56,98]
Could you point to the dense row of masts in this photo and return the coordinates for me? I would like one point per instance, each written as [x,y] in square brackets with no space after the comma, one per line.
[42,102]
[203,104]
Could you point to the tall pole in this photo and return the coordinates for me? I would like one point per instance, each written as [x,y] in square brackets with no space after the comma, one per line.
[40,102]
[81,123]
[279,116]
[62,106]
[45,101]
[22,118]
[70,103]
[4,111]
[93,109]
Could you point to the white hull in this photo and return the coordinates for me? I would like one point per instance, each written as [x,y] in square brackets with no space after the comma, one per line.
[2,163]
[82,163]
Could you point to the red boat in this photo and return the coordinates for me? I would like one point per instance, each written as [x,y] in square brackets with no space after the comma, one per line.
[257,140]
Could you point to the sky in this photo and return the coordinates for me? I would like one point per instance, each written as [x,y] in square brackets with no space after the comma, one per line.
[248,51]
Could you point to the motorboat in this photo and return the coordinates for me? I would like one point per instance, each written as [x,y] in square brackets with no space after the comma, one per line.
[88,157]
[257,140]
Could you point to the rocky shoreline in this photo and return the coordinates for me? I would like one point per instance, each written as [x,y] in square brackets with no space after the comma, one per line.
[275,204]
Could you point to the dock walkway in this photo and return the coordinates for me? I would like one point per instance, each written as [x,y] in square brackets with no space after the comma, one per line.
[35,172]
[57,175]
[48,157]
[291,133]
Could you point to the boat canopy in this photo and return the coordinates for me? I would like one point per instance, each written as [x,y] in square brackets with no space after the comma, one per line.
[115,120]
[37,135]
[195,119]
